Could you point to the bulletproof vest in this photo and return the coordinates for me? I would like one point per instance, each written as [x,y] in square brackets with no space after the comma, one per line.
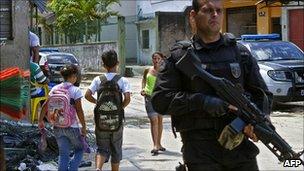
[221,60]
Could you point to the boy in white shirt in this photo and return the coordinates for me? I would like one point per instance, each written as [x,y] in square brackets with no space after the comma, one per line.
[109,142]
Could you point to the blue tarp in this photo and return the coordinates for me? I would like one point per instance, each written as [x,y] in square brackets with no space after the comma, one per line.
[40,4]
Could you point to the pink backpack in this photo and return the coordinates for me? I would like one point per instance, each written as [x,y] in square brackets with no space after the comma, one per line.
[60,112]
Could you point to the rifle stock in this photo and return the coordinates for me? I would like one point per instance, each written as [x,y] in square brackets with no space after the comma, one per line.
[190,65]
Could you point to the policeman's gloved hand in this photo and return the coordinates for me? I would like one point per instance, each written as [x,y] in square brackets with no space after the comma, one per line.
[216,107]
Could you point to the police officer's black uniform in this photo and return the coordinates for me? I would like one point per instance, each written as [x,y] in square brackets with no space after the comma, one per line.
[196,111]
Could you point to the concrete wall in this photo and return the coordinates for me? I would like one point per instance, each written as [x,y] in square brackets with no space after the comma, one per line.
[165,30]
[125,8]
[16,52]
[109,33]
[109,30]
[242,20]
[173,27]
[89,55]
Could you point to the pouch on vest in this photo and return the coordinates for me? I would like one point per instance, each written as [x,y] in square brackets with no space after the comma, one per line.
[232,135]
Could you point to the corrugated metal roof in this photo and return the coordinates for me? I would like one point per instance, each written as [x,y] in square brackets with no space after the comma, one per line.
[40,4]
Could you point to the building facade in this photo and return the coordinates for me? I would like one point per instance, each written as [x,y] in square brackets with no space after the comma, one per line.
[106,32]
[109,30]
[293,23]
[161,22]
[155,25]
[14,34]
[245,17]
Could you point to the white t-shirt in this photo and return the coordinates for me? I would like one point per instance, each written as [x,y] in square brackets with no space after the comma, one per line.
[123,83]
[34,41]
[75,93]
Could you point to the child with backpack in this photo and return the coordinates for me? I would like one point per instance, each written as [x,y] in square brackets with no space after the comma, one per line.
[113,95]
[62,107]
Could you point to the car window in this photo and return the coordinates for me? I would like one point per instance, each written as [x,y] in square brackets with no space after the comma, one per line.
[275,51]
[61,59]
[48,50]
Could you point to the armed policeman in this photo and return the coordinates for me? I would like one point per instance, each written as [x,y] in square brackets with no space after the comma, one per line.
[196,111]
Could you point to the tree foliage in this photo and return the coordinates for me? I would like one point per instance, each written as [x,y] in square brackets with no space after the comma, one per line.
[72,16]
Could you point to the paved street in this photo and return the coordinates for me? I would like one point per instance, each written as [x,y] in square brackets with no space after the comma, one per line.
[137,141]
[256,39]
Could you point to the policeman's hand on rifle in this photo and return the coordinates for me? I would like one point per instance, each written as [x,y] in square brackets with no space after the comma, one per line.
[248,129]
[216,107]
[249,132]
[219,107]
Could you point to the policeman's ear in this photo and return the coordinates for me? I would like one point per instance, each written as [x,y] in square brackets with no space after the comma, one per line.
[192,23]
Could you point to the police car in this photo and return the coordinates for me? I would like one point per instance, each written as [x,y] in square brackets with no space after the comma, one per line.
[281,65]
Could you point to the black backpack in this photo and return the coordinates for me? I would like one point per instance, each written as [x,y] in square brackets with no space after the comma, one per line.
[108,112]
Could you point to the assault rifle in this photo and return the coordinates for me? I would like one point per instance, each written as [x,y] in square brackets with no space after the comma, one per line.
[190,65]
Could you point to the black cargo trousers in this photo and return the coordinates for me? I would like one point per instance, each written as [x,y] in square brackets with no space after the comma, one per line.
[206,154]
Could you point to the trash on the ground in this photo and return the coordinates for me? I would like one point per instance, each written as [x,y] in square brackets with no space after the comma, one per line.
[22,166]
[42,143]
[47,166]
[21,142]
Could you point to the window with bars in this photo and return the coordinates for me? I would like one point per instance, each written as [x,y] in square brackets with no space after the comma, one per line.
[145,39]
[6,20]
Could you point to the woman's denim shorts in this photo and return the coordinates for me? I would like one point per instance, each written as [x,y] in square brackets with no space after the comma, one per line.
[150,111]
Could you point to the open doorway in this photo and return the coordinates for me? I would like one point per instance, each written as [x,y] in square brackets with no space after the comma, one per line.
[276,26]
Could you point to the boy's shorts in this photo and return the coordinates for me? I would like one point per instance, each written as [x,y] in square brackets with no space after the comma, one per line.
[110,144]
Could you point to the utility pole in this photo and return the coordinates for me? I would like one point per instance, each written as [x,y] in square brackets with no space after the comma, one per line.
[121,44]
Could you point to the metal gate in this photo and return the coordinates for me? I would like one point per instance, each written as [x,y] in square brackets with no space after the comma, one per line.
[296,27]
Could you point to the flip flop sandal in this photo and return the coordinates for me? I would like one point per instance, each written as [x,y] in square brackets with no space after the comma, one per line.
[162,149]
[154,152]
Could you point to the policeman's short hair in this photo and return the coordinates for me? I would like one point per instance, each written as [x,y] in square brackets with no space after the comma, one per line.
[109,58]
[197,4]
